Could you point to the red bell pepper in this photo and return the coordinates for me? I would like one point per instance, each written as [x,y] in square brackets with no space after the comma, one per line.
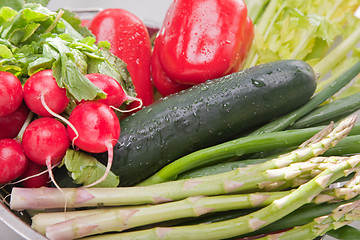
[163,84]
[203,39]
[130,42]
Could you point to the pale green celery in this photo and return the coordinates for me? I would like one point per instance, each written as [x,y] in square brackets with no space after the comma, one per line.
[332,58]
[256,8]
[302,30]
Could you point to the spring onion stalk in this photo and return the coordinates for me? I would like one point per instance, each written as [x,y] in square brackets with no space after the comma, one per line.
[337,108]
[346,232]
[347,146]
[197,158]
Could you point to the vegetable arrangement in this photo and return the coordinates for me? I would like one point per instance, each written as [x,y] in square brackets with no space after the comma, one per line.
[249,135]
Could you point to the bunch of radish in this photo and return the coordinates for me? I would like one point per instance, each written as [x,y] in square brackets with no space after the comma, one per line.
[35,134]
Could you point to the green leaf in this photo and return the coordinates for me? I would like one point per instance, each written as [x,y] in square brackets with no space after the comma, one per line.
[85,169]
[6,15]
[36,38]
[14,4]
[5,52]
[104,44]
[74,21]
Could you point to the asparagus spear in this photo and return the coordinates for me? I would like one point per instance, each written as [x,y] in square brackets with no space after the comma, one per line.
[43,198]
[251,222]
[119,219]
[342,215]
[236,181]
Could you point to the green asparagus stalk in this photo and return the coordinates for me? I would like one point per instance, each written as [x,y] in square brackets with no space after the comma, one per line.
[342,215]
[327,92]
[307,150]
[58,226]
[119,220]
[251,222]
[43,198]
[299,217]
[240,180]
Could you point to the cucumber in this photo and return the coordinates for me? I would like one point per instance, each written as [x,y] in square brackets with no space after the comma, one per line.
[208,114]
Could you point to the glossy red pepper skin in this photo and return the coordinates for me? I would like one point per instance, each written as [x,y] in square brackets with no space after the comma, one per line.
[130,42]
[163,84]
[249,30]
[202,39]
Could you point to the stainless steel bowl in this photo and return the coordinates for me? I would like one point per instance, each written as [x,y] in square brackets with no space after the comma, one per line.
[18,222]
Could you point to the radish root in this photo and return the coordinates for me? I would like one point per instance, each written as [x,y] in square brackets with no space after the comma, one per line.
[108,167]
[133,109]
[51,175]
[42,98]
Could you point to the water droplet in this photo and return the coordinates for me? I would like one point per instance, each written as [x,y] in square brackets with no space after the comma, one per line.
[225,106]
[258,82]
[204,87]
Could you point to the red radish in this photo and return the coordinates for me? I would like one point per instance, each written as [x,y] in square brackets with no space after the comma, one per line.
[98,130]
[13,160]
[116,95]
[45,142]
[35,176]
[11,93]
[11,124]
[42,88]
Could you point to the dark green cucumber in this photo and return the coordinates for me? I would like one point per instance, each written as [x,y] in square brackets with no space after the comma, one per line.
[208,114]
